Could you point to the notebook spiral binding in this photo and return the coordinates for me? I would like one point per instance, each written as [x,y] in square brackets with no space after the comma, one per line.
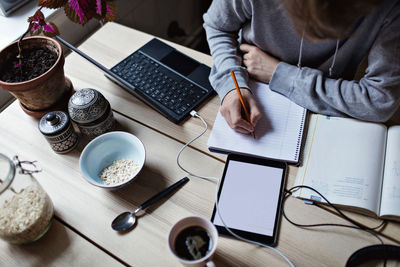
[296,155]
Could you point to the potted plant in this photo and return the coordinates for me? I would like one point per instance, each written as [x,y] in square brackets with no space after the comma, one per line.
[31,68]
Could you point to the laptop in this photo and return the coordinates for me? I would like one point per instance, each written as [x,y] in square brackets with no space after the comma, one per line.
[167,80]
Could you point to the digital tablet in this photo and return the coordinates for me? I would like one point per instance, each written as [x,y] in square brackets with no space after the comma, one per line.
[250,197]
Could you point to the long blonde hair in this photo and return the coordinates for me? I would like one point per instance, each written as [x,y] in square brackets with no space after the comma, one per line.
[326,19]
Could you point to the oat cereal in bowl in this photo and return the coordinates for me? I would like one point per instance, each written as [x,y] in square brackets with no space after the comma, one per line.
[112,160]
[119,171]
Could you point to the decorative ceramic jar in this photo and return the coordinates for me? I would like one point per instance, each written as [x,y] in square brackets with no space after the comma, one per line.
[91,111]
[59,132]
[26,211]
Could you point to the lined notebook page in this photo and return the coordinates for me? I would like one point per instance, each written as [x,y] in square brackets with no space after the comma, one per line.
[278,133]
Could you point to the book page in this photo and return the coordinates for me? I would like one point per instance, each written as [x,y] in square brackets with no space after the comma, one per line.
[390,203]
[344,162]
[278,132]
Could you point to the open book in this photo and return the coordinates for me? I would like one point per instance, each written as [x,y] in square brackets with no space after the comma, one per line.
[278,133]
[353,163]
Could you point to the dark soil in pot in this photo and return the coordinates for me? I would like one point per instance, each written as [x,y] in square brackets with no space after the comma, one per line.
[34,63]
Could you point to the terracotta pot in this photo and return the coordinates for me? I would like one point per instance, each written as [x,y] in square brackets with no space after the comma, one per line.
[44,91]
[61,105]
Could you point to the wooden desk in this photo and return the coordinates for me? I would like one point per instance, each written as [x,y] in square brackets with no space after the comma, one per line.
[81,233]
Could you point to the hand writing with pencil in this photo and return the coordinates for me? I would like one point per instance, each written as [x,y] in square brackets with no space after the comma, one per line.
[231,110]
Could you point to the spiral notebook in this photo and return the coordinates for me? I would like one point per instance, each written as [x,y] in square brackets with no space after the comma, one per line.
[279,133]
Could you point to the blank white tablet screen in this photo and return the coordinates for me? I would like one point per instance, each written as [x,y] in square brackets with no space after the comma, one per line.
[249,197]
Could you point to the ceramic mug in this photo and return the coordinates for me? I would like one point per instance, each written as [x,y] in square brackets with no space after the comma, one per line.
[184,224]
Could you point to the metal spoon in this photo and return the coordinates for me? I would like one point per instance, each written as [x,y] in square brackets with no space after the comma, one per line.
[127,219]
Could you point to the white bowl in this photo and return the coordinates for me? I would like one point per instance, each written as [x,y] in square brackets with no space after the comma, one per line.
[104,149]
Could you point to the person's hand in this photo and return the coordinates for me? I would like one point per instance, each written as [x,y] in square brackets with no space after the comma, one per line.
[231,110]
[259,64]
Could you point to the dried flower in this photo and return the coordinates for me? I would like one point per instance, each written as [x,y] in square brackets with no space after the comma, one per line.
[78,11]
[37,24]
[81,11]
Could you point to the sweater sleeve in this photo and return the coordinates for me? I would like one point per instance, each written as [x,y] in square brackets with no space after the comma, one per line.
[222,24]
[376,97]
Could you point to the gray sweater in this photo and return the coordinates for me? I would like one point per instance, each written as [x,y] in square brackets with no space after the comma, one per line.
[375,97]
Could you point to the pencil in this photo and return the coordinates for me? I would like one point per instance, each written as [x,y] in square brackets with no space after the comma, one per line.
[241,100]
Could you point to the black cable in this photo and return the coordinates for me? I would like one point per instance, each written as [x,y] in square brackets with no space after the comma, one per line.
[356,225]
[383,222]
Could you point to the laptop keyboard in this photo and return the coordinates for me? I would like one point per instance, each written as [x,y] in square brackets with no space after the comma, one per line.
[169,93]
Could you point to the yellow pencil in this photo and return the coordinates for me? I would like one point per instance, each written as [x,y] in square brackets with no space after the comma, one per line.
[241,100]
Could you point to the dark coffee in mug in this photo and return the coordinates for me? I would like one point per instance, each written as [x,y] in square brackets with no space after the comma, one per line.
[193,243]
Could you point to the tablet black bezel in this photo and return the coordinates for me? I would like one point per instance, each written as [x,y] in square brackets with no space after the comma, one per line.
[264,239]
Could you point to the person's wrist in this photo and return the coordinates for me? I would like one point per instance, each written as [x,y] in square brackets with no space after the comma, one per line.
[275,67]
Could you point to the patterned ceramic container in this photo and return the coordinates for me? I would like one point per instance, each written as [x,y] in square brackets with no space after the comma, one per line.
[92,113]
[57,128]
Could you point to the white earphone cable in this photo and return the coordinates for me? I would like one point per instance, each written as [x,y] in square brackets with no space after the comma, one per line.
[194,114]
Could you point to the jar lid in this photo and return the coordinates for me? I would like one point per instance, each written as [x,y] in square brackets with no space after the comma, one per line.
[54,123]
[86,105]
[7,172]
